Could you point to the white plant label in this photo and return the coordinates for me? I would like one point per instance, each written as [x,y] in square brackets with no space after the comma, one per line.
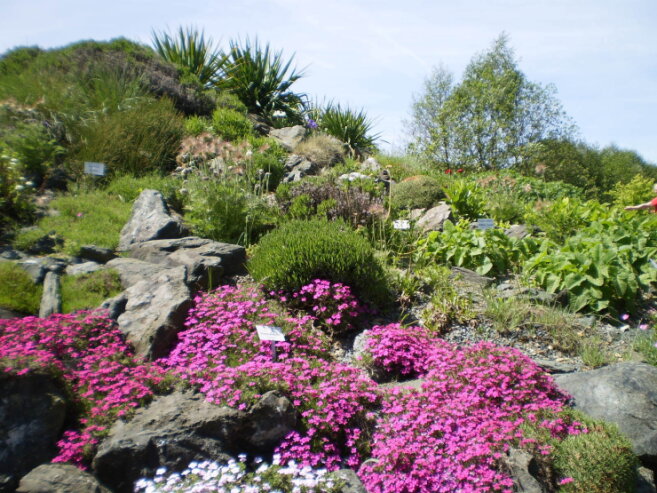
[96,169]
[269,333]
[485,223]
[402,224]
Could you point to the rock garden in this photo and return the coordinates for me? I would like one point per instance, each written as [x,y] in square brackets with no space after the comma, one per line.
[250,297]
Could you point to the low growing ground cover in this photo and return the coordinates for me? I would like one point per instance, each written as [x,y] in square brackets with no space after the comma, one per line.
[453,434]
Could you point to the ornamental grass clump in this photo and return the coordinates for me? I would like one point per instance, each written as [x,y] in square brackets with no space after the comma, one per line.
[89,354]
[300,251]
[220,354]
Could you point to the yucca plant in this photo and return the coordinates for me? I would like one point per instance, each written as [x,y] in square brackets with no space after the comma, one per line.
[351,127]
[191,52]
[261,79]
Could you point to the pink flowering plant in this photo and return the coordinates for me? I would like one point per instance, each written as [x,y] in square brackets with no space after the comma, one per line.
[453,434]
[88,353]
[220,354]
[332,304]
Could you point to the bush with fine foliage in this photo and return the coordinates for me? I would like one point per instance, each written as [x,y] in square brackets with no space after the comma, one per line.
[138,141]
[301,251]
[230,124]
[323,150]
[600,461]
[17,290]
[418,192]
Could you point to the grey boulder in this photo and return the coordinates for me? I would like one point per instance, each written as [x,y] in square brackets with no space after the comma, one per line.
[59,478]
[155,312]
[288,137]
[150,220]
[51,298]
[623,393]
[183,427]
[32,412]
[434,218]
[206,260]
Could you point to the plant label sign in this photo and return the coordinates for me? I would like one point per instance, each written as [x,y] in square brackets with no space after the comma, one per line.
[485,224]
[96,169]
[402,224]
[269,333]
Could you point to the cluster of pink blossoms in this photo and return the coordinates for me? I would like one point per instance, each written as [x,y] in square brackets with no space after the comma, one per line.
[451,435]
[333,305]
[89,352]
[220,354]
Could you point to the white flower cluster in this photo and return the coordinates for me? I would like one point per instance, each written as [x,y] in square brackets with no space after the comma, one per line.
[232,477]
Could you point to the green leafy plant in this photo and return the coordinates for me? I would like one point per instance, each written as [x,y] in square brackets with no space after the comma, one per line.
[301,251]
[604,267]
[466,199]
[262,80]
[196,125]
[487,252]
[637,191]
[564,217]
[88,291]
[17,290]
[35,149]
[352,128]
[191,52]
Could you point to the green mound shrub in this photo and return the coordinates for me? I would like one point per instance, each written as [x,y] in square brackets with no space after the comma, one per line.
[196,125]
[420,192]
[300,251]
[88,291]
[143,139]
[17,291]
[600,461]
[230,124]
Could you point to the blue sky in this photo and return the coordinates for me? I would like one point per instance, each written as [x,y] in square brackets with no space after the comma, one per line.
[600,54]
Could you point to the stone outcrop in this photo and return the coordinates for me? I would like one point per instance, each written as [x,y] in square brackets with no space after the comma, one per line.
[155,312]
[32,412]
[288,137]
[206,260]
[96,254]
[623,393]
[297,167]
[182,427]
[150,220]
[51,298]
[60,478]
[434,218]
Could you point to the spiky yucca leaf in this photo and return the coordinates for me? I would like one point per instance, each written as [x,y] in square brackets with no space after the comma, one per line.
[262,79]
[191,52]
[351,127]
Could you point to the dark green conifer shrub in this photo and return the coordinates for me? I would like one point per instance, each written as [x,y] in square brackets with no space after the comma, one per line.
[300,251]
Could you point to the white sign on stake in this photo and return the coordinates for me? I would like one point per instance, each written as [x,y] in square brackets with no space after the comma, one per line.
[97,169]
[485,223]
[402,224]
[269,333]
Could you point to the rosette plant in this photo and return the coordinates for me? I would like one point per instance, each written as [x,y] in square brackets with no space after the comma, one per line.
[192,53]
[261,79]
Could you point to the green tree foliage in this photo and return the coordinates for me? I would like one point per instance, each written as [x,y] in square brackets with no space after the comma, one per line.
[487,120]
